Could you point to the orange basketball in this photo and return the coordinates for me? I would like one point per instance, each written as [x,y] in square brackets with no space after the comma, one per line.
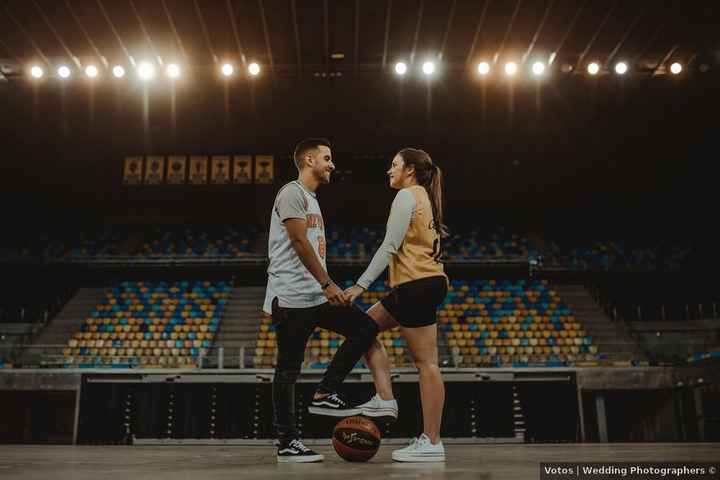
[356,439]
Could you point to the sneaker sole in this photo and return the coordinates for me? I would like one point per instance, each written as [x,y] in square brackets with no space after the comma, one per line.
[333,413]
[301,459]
[419,458]
[379,413]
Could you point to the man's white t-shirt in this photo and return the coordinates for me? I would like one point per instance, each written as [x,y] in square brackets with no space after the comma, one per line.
[288,279]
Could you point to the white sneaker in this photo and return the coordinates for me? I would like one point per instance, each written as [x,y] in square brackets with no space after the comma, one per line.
[377,407]
[420,450]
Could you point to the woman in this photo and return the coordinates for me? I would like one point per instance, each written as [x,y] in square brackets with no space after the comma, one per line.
[411,249]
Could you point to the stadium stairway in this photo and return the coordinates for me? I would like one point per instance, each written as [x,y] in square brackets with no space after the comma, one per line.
[238,328]
[45,349]
[615,345]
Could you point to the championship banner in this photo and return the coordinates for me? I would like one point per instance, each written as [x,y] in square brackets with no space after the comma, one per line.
[264,168]
[198,170]
[220,172]
[132,172]
[154,170]
[242,169]
[176,170]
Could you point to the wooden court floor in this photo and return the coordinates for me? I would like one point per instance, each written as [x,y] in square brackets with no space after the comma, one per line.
[484,462]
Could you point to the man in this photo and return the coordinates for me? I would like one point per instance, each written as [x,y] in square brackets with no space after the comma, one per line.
[301,296]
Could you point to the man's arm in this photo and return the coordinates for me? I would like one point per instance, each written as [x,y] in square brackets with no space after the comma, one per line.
[296,229]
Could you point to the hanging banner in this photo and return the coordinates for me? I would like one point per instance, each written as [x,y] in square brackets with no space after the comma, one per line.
[154,170]
[264,168]
[220,173]
[242,169]
[198,170]
[176,170]
[132,172]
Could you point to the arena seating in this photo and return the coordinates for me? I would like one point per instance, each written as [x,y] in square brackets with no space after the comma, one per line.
[80,243]
[475,244]
[354,242]
[197,242]
[486,323]
[616,255]
[147,324]
[512,323]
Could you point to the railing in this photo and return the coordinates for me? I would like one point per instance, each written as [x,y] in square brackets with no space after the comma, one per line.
[249,259]
[51,356]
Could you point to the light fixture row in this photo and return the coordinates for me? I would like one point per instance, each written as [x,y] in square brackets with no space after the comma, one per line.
[145,70]
[537,68]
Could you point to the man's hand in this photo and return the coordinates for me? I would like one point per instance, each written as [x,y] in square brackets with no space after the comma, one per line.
[353,293]
[335,296]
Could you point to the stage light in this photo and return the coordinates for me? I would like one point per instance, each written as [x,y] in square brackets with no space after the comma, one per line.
[91,71]
[593,68]
[173,71]
[621,68]
[227,69]
[538,68]
[36,72]
[428,68]
[118,71]
[483,68]
[400,68]
[675,68]
[146,71]
[64,72]
[254,68]
[511,68]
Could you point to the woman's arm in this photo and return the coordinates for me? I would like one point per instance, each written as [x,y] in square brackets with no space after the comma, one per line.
[401,213]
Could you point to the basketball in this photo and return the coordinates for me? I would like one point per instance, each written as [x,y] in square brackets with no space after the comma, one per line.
[356,439]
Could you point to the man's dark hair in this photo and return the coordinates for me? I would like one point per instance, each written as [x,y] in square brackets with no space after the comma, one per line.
[308,144]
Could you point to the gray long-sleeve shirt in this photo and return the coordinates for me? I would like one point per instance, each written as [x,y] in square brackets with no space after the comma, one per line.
[401,213]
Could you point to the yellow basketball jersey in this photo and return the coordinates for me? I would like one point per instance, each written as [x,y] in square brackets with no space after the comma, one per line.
[418,256]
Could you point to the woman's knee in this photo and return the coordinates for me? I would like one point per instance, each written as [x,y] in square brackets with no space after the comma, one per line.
[427,366]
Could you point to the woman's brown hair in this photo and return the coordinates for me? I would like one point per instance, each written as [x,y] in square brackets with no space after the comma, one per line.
[429,176]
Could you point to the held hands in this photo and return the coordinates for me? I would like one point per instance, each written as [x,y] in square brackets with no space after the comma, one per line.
[335,296]
[353,293]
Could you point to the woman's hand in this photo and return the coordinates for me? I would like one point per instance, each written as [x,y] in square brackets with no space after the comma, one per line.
[352,293]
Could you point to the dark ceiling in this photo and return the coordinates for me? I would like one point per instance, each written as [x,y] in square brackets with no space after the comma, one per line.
[294,37]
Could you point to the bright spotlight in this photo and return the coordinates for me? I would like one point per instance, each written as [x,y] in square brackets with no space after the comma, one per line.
[254,68]
[675,68]
[428,68]
[483,68]
[146,71]
[173,71]
[91,71]
[400,68]
[227,69]
[36,72]
[118,71]
[63,71]
[511,68]
[593,68]
[621,68]
[538,68]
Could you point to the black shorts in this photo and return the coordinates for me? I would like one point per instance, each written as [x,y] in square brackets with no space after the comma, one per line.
[414,304]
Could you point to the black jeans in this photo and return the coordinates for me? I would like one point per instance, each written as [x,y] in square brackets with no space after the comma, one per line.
[293,329]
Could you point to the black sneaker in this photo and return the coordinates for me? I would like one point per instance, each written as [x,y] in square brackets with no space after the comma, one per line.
[295,451]
[333,405]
